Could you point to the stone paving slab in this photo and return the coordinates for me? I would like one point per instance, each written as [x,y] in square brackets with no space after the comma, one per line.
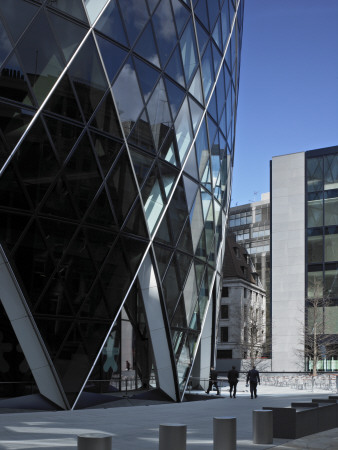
[137,427]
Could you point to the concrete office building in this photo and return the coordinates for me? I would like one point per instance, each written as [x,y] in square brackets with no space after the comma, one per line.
[304,249]
[117,138]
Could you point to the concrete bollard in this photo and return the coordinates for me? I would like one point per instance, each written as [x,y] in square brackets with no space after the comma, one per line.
[173,436]
[94,441]
[225,433]
[262,425]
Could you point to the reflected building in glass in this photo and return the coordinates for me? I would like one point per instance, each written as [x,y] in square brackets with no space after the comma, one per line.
[304,256]
[117,140]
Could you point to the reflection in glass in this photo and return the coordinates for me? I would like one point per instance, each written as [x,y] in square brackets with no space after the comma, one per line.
[188,51]
[94,7]
[110,23]
[315,245]
[183,131]
[331,243]
[146,46]
[164,30]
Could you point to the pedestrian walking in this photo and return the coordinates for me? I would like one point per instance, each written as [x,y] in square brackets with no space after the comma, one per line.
[233,380]
[213,381]
[253,378]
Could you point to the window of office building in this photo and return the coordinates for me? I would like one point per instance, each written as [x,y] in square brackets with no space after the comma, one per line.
[224,334]
[224,311]
[225,291]
[224,354]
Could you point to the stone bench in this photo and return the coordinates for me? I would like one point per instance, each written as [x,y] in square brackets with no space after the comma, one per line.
[304,418]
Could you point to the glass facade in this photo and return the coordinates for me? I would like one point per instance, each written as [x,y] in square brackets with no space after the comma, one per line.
[322,241]
[117,141]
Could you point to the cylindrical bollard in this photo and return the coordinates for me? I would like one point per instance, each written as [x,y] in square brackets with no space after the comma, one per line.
[173,436]
[262,425]
[94,441]
[225,433]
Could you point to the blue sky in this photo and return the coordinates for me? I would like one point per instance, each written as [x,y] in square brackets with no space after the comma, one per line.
[288,94]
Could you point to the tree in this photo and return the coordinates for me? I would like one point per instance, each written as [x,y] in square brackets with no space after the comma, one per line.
[317,343]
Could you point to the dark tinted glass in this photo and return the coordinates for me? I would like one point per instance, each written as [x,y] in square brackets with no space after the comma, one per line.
[17,22]
[110,23]
[164,30]
[13,83]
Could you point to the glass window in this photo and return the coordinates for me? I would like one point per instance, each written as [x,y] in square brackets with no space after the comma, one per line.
[94,7]
[315,283]
[183,130]
[16,22]
[135,14]
[331,244]
[315,245]
[224,311]
[110,23]
[331,283]
[224,354]
[207,72]
[164,30]
[314,174]
[146,46]
[331,211]
[225,291]
[188,52]
[331,172]
[315,213]
[224,334]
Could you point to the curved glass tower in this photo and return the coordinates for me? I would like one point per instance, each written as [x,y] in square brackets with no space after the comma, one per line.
[117,139]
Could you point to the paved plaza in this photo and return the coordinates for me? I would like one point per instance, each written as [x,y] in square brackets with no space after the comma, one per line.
[136,427]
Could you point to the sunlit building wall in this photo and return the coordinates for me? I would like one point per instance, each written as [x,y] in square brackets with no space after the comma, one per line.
[117,140]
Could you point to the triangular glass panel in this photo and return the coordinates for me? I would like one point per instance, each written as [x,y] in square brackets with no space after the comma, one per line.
[190,190]
[183,262]
[146,47]
[185,241]
[164,30]
[175,96]
[159,114]
[100,212]
[174,68]
[212,107]
[94,7]
[212,130]
[196,220]
[135,15]
[58,202]
[147,76]
[201,12]
[110,24]
[163,256]
[206,202]
[217,58]
[13,83]
[127,94]
[40,58]
[190,293]
[74,8]
[142,164]
[112,56]
[169,150]
[68,34]
[122,187]
[152,4]
[106,151]
[6,46]
[32,262]
[207,72]
[190,164]
[171,289]
[202,37]
[141,135]
[178,210]
[225,22]
[88,77]
[63,100]
[153,198]
[105,118]
[184,134]
[11,192]
[168,177]
[213,9]
[179,319]
[217,34]
[99,244]
[135,223]
[199,271]
[202,148]
[196,113]
[94,305]
[11,227]
[196,87]
[189,52]
[163,233]
[17,22]
[181,15]
[36,162]
[63,134]
[201,248]
[82,174]
[220,93]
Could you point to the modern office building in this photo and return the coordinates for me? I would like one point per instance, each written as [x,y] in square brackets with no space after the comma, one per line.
[242,316]
[304,264]
[117,139]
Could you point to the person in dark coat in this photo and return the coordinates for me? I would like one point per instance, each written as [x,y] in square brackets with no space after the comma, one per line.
[213,381]
[233,380]
[253,377]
